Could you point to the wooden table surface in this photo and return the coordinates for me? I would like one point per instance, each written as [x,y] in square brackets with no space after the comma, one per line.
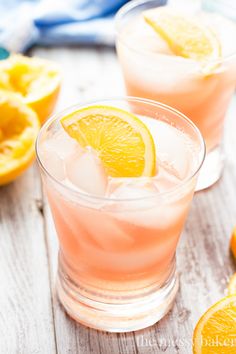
[31,319]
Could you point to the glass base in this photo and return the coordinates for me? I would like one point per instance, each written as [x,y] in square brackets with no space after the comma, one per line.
[211,169]
[121,313]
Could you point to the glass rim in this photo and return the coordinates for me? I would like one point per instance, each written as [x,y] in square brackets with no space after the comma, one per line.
[78,193]
[136,3]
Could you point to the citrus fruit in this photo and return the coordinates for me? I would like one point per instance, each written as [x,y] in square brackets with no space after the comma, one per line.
[185,36]
[232,285]
[35,80]
[215,332]
[122,142]
[233,243]
[19,126]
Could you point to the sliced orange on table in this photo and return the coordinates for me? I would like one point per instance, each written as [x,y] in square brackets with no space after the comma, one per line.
[233,243]
[121,140]
[186,36]
[35,80]
[232,282]
[19,126]
[215,332]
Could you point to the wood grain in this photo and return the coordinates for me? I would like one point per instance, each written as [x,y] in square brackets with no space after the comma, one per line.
[26,323]
[31,318]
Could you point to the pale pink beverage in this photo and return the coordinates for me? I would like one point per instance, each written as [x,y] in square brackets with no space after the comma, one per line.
[202,91]
[118,236]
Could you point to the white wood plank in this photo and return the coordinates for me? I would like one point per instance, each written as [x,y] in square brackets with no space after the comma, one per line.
[88,73]
[26,319]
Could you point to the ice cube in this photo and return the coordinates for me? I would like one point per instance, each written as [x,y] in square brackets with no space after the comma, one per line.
[172,146]
[130,188]
[159,216]
[109,234]
[133,194]
[166,178]
[146,208]
[52,162]
[86,172]
[62,144]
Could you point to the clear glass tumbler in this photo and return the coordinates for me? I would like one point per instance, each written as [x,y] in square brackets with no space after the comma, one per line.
[117,254]
[201,92]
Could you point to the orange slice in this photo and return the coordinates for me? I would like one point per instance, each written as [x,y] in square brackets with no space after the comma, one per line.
[121,140]
[186,36]
[215,332]
[233,243]
[19,126]
[35,80]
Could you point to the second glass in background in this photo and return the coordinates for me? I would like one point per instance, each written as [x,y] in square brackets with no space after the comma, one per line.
[151,71]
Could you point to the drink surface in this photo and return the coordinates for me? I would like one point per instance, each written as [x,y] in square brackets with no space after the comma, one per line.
[152,70]
[117,232]
[75,166]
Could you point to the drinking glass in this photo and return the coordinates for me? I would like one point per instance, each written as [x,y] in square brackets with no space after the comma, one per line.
[116,268]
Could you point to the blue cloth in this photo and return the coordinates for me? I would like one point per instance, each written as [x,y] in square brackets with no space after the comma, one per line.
[54,22]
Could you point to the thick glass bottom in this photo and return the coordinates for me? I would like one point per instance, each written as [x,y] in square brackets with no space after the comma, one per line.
[121,313]
[211,169]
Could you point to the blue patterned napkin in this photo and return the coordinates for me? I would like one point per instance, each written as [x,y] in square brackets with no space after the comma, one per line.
[52,22]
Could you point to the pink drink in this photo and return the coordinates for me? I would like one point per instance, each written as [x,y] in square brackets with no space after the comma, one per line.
[118,236]
[202,93]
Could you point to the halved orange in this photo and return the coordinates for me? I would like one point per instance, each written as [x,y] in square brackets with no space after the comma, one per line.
[35,80]
[121,140]
[215,332]
[19,126]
